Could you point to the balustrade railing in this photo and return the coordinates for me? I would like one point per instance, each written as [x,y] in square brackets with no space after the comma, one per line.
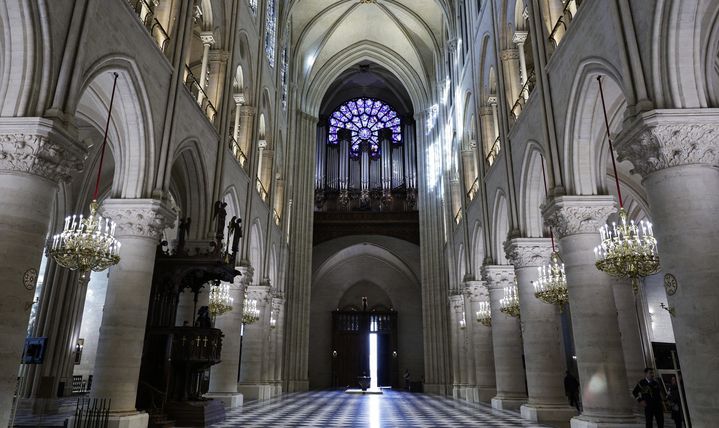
[276,217]
[193,85]
[493,152]
[261,190]
[524,95]
[237,152]
[560,27]
[146,12]
[458,216]
[473,189]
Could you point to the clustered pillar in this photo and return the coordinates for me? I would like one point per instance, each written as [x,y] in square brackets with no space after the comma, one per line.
[677,154]
[541,334]
[223,376]
[602,374]
[506,342]
[254,362]
[35,154]
[140,223]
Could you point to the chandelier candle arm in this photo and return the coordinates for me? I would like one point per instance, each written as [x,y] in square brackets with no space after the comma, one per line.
[627,250]
[88,243]
[509,304]
[484,314]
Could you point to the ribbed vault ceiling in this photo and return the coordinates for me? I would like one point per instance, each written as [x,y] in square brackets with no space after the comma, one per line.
[409,30]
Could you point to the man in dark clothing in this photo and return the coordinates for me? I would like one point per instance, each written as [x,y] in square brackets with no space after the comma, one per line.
[571,390]
[650,394]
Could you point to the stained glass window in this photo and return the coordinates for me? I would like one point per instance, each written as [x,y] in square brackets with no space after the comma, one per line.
[365,118]
[270,37]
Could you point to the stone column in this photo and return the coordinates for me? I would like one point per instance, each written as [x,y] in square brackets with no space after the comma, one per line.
[456,306]
[632,341]
[510,63]
[59,317]
[484,372]
[541,336]
[245,134]
[520,37]
[223,376]
[602,375]
[216,72]
[140,223]
[677,154]
[487,130]
[506,342]
[253,366]
[207,41]
[35,154]
[470,375]
[275,363]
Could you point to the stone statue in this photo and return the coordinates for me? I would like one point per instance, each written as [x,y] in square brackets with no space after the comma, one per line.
[220,215]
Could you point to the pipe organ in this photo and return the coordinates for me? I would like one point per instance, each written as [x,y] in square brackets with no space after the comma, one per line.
[366,159]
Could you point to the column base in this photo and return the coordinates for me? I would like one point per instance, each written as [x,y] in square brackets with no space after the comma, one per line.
[558,415]
[228,399]
[457,392]
[486,394]
[41,406]
[504,403]
[582,421]
[261,391]
[126,420]
[298,385]
[436,388]
[472,394]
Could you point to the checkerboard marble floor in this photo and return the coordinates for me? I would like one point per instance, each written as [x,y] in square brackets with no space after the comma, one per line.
[392,409]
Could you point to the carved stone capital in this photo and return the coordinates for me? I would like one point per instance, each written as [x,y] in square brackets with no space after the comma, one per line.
[144,218]
[661,139]
[456,302]
[247,111]
[246,273]
[218,55]
[260,293]
[37,146]
[508,54]
[476,291]
[277,304]
[239,100]
[573,215]
[498,276]
[528,252]
[519,37]
[207,38]
[486,110]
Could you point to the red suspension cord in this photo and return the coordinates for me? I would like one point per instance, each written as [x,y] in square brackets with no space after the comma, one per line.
[104,140]
[611,147]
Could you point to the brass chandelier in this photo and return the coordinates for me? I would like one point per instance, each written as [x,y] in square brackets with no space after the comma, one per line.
[250,312]
[551,284]
[220,299]
[88,243]
[628,250]
[509,304]
[484,314]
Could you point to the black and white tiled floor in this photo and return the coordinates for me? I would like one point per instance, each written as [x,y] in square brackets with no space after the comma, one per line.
[392,409]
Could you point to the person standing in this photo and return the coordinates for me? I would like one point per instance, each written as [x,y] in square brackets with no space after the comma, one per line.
[650,394]
[406,379]
[675,403]
[571,390]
